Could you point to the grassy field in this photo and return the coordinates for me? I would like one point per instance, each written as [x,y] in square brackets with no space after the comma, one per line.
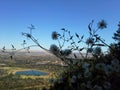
[10,81]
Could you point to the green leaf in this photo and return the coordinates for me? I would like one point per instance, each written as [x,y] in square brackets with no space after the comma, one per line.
[63,29]
[79,41]
[69,32]
[72,42]
[82,37]
[81,49]
[75,56]
[71,37]
[89,27]
[77,35]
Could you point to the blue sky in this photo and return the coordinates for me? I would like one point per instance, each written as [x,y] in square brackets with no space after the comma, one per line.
[52,15]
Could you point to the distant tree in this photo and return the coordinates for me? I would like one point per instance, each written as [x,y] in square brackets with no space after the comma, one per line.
[115,51]
[116,36]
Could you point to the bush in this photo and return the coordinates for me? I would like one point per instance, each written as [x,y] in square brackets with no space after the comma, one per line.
[97,72]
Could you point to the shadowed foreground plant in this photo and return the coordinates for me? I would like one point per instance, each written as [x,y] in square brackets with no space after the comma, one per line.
[89,74]
[85,73]
[116,46]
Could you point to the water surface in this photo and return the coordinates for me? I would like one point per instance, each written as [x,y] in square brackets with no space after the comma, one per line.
[31,72]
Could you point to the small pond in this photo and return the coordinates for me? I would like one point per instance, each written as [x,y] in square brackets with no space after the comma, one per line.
[31,72]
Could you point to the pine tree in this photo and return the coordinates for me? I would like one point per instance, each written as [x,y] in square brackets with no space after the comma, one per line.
[116,36]
[116,48]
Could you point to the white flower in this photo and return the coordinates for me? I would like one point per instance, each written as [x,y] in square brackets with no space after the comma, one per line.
[60,79]
[107,85]
[102,24]
[83,84]
[97,50]
[89,84]
[85,65]
[115,62]
[116,68]
[54,35]
[96,87]
[108,69]
[54,49]
[73,79]
[115,65]
[51,80]
[79,76]
[87,74]
[67,52]
[89,41]
[100,66]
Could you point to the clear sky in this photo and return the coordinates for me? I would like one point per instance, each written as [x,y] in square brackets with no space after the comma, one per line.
[52,15]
